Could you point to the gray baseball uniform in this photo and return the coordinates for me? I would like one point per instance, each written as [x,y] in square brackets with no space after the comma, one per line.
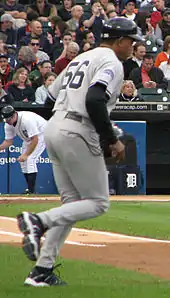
[74,149]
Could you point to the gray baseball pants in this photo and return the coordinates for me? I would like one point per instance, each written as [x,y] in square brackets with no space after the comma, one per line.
[81,178]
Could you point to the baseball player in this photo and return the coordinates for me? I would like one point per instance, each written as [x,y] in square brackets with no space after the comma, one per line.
[83,91]
[29,127]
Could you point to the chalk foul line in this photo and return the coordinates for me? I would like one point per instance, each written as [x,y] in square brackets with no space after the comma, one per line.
[67,242]
[109,234]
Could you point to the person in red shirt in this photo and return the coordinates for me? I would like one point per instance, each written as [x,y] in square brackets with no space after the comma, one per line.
[147,75]
[165,54]
[156,16]
[71,52]
[6,71]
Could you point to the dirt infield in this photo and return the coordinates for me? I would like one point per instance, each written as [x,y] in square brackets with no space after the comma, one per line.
[140,254]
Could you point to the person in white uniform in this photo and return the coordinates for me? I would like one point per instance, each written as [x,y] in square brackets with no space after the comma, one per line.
[30,128]
[83,93]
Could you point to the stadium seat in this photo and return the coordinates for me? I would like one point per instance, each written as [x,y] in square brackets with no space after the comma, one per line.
[80,2]
[168,89]
[153,94]
[151,47]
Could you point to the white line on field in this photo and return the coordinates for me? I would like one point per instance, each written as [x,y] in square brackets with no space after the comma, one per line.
[142,198]
[8,218]
[67,242]
[113,235]
[10,234]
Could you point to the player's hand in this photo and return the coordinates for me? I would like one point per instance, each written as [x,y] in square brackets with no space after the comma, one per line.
[118,150]
[22,158]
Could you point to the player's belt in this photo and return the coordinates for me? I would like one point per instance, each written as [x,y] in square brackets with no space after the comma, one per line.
[74,116]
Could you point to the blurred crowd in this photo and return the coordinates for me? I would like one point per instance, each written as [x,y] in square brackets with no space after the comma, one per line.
[39,38]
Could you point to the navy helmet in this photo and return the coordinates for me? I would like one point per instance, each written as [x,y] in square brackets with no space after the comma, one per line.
[120,27]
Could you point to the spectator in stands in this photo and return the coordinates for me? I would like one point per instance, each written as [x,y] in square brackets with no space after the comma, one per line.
[53,22]
[73,35]
[36,31]
[95,22]
[85,46]
[60,52]
[88,42]
[76,17]
[37,76]
[156,16]
[16,10]
[71,52]
[91,39]
[56,39]
[163,27]
[103,3]
[58,30]
[20,89]
[6,70]
[130,11]
[139,51]
[165,67]
[144,22]
[110,11]
[128,92]
[110,7]
[65,10]
[165,54]
[117,4]
[147,75]
[76,23]
[6,26]
[26,30]
[44,10]
[10,51]
[35,46]
[4,98]
[42,91]
[26,58]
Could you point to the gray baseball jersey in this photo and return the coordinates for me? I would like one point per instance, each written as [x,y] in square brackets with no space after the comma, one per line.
[99,65]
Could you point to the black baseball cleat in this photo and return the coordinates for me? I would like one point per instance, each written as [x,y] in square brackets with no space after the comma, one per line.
[45,279]
[32,228]
[27,192]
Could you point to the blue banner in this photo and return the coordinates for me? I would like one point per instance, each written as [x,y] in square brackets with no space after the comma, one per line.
[13,181]
[137,129]
[4,165]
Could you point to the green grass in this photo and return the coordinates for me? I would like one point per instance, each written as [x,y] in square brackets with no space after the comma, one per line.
[84,280]
[137,219]
[89,280]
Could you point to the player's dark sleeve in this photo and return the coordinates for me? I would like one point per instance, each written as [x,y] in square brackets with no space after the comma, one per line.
[96,100]
[49,102]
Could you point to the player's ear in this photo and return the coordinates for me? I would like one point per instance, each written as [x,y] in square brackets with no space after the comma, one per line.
[119,41]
